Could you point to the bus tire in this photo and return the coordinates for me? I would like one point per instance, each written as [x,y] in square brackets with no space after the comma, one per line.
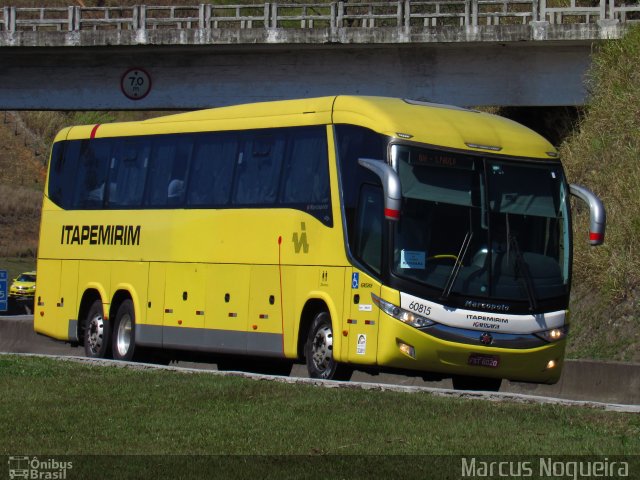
[97,332]
[463,382]
[124,332]
[319,351]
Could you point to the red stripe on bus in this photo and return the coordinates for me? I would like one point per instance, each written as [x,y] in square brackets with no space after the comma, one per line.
[95,129]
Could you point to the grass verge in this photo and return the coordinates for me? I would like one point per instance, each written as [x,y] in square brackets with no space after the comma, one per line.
[50,407]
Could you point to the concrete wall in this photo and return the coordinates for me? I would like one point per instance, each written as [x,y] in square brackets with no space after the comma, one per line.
[185,77]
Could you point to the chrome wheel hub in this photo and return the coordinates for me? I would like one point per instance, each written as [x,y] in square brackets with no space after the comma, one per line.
[96,333]
[123,335]
[322,353]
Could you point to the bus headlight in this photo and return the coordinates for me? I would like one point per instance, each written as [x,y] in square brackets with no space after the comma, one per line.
[401,314]
[554,334]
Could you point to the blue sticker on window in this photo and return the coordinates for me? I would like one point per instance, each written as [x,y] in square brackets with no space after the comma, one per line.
[355,280]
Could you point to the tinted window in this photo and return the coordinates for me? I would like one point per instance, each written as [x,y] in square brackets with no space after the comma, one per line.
[369,227]
[167,176]
[91,174]
[258,169]
[285,167]
[212,170]
[128,170]
[306,173]
[354,143]
[62,173]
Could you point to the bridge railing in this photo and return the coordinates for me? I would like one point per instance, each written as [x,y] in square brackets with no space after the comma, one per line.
[340,14]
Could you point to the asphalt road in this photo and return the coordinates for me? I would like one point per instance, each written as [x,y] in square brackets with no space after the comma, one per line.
[581,380]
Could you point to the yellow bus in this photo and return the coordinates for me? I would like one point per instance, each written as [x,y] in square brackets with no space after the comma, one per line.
[346,232]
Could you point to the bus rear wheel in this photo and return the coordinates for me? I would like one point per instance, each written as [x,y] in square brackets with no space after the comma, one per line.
[124,332]
[97,332]
[319,351]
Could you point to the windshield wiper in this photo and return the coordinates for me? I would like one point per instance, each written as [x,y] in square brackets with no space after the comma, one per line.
[457,266]
[524,269]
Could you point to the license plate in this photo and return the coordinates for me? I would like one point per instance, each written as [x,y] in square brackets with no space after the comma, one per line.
[477,360]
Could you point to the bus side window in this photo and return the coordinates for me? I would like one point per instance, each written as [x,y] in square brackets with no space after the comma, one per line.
[354,143]
[168,170]
[212,167]
[91,175]
[63,172]
[306,172]
[258,169]
[369,227]
[128,171]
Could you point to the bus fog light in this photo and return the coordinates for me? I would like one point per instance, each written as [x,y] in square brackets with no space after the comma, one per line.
[407,349]
[551,364]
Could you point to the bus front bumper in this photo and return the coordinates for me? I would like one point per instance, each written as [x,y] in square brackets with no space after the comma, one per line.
[405,347]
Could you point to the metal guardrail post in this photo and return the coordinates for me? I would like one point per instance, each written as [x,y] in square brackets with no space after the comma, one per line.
[543,11]
[139,17]
[474,13]
[535,8]
[340,19]
[267,15]
[603,9]
[399,14]
[134,18]
[332,21]
[467,13]
[5,19]
[201,16]
[9,18]
[274,15]
[142,18]
[407,14]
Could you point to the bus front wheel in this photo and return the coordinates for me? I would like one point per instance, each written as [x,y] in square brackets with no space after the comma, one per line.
[97,332]
[124,332]
[319,351]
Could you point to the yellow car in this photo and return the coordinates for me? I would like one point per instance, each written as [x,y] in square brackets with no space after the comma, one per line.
[23,286]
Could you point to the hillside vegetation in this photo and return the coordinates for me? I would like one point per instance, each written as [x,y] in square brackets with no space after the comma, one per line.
[604,154]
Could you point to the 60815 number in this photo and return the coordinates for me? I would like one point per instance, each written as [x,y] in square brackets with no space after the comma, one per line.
[420,308]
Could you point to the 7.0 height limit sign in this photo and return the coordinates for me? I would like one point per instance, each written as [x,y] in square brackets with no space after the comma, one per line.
[135,83]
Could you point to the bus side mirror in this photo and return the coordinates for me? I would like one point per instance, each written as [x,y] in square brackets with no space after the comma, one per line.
[390,186]
[597,213]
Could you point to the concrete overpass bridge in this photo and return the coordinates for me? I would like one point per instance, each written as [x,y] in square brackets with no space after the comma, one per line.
[465,52]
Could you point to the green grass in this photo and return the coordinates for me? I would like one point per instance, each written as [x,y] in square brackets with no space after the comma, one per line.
[52,407]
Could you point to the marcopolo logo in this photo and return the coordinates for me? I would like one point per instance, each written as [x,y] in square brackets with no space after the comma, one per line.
[37,468]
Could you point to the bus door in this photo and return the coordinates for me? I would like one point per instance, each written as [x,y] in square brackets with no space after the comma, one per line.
[366,246]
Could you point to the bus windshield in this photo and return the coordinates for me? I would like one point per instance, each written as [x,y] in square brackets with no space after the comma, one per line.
[482,227]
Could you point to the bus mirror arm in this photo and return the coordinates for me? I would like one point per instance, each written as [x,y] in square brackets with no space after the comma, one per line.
[597,213]
[390,186]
